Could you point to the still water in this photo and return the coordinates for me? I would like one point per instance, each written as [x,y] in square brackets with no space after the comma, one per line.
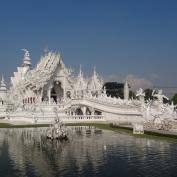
[27,153]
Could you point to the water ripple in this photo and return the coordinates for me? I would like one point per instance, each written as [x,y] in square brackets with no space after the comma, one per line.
[26,153]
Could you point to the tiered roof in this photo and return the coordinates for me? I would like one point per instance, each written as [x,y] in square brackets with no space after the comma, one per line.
[81,83]
[95,83]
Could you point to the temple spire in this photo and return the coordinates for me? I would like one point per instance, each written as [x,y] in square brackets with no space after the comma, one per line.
[2,78]
[2,84]
[26,58]
[94,71]
[81,83]
[46,50]
[80,71]
[126,91]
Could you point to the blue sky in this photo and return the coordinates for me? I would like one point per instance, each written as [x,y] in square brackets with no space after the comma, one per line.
[120,37]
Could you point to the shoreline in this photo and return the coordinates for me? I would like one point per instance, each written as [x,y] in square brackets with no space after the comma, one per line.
[106,126]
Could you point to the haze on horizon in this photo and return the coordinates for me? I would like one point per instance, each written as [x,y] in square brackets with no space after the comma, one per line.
[124,39]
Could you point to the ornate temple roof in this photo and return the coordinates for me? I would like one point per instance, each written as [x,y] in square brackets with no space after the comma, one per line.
[95,83]
[81,83]
[38,77]
[44,70]
[51,69]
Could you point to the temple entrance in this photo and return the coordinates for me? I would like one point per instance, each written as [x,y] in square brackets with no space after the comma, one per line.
[57,92]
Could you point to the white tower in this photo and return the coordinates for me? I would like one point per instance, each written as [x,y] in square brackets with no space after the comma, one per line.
[3,90]
[126,91]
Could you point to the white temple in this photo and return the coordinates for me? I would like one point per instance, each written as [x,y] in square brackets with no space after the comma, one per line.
[38,94]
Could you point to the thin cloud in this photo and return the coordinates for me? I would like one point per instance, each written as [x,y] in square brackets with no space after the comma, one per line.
[134,81]
[138,82]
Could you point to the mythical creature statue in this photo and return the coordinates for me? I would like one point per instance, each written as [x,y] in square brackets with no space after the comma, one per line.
[141,94]
[159,96]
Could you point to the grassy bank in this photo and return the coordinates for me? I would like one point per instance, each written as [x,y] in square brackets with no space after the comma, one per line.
[129,130]
[148,134]
[104,126]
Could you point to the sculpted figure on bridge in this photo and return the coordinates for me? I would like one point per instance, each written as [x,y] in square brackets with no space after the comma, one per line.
[141,94]
[159,96]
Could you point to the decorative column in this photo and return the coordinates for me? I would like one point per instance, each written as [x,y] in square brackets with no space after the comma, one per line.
[126,91]
[83,110]
[92,111]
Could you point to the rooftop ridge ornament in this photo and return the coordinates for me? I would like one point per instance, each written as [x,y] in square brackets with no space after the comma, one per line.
[94,69]
[80,71]
[94,72]
[26,58]
[2,84]
[46,50]
[2,79]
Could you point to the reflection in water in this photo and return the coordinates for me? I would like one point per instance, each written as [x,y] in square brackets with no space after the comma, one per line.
[89,152]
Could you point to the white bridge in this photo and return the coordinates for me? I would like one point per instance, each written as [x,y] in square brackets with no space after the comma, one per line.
[90,109]
[79,110]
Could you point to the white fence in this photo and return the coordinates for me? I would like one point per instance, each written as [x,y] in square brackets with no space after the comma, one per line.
[83,118]
[51,118]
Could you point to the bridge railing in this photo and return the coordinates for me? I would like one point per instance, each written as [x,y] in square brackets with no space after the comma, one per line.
[52,118]
[83,117]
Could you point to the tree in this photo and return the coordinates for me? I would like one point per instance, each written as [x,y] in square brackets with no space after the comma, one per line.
[174,98]
[114,89]
[132,94]
[148,94]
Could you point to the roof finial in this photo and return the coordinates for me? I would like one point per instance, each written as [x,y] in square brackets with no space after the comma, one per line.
[80,71]
[2,78]
[26,58]
[46,50]
[94,68]
[2,85]
[94,71]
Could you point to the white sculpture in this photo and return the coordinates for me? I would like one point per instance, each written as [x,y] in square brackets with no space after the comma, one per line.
[159,96]
[141,95]
[138,129]
[52,84]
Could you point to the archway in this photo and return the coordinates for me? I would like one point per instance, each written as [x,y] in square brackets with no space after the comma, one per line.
[78,111]
[57,92]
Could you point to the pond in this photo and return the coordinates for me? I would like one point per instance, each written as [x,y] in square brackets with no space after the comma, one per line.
[88,152]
